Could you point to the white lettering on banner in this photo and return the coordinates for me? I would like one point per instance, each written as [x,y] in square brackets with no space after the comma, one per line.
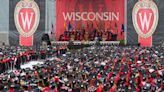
[106,18]
[82,15]
[68,16]
[115,16]
[145,20]
[99,15]
[91,16]
[78,16]
[26,20]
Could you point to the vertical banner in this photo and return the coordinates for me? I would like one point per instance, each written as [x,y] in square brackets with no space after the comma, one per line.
[26,22]
[145,20]
[27,17]
[84,20]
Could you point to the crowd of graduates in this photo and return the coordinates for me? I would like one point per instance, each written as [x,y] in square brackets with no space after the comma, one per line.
[12,57]
[92,69]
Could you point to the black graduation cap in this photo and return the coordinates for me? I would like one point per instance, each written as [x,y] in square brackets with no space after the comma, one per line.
[123,90]
[73,81]
[37,81]
[119,90]
[122,77]
[145,88]
[159,80]
[153,88]
[131,81]
[12,75]
[111,81]
[144,78]
[67,84]
[25,87]
[94,76]
[120,84]
[52,86]
[82,86]
[1,87]
[4,79]
[44,78]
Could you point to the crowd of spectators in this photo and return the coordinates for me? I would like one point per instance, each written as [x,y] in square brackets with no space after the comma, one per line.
[92,69]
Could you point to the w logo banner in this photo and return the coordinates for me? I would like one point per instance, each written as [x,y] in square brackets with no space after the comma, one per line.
[145,20]
[26,16]
[27,19]
[89,16]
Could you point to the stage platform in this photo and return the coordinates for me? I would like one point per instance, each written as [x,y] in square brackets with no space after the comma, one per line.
[86,42]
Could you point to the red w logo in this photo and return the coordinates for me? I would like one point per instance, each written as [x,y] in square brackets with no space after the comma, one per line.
[145,19]
[26,19]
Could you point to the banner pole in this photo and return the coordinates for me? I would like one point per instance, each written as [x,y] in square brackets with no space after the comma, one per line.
[125,21]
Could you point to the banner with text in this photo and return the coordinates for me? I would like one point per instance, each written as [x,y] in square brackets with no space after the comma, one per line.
[80,20]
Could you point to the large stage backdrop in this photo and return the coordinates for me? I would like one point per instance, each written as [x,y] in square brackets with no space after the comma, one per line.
[81,20]
[26,23]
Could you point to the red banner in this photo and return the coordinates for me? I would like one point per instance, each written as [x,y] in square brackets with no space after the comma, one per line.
[26,17]
[145,20]
[82,20]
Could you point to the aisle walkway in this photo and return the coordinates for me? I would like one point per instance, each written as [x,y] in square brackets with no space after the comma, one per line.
[31,64]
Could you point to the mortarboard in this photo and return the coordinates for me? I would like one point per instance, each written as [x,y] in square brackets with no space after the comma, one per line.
[159,80]
[52,86]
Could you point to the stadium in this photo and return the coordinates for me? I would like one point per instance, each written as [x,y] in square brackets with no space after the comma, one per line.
[81,46]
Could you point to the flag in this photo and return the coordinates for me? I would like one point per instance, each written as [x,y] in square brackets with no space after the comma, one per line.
[87,26]
[115,25]
[52,28]
[78,25]
[101,25]
[69,26]
[122,27]
[65,26]
[82,25]
[97,25]
[74,25]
